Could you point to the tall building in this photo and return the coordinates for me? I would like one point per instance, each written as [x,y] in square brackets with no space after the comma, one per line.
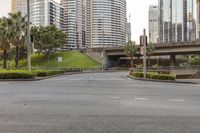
[198,21]
[42,12]
[109,23]
[46,12]
[74,22]
[176,21]
[94,23]
[128,33]
[19,5]
[13,6]
[153,24]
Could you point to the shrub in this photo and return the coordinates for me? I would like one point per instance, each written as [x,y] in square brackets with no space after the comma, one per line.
[154,75]
[137,74]
[16,74]
[44,73]
[162,76]
[163,72]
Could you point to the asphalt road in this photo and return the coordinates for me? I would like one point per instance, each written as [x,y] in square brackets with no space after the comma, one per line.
[98,103]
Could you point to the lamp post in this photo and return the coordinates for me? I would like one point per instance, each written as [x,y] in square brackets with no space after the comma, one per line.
[28,37]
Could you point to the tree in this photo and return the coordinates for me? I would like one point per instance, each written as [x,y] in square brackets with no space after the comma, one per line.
[19,28]
[150,51]
[47,39]
[5,37]
[130,49]
[194,60]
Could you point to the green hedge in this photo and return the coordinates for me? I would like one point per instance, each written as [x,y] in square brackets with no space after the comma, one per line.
[25,74]
[44,73]
[162,76]
[151,75]
[16,75]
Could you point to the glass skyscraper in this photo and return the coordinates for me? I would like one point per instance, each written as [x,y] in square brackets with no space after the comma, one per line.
[176,21]
[153,23]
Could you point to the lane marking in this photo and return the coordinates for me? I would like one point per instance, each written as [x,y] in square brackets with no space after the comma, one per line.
[91,78]
[176,100]
[141,98]
[115,97]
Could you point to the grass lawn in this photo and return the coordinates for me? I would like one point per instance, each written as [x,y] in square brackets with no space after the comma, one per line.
[71,59]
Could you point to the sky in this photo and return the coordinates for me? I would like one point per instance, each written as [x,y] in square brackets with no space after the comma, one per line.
[138,9]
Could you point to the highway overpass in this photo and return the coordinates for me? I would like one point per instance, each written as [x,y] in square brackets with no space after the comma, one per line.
[111,55]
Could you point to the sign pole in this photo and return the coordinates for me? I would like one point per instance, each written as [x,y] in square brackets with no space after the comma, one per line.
[144,55]
[28,37]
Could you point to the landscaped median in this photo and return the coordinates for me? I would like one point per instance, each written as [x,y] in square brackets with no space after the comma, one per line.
[27,75]
[159,76]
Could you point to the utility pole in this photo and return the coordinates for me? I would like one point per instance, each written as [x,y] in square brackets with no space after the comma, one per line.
[145,54]
[28,37]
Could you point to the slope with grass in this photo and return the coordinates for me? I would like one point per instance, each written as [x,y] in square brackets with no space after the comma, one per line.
[71,59]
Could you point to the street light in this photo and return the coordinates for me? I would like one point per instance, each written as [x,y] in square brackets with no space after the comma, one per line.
[28,37]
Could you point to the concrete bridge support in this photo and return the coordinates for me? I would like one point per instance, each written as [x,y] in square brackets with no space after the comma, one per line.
[172,59]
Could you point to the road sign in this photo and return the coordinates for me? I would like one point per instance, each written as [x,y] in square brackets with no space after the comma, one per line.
[60,59]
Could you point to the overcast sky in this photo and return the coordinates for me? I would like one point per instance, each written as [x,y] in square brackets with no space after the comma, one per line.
[137,8]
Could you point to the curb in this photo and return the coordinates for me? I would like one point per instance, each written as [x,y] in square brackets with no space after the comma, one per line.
[48,77]
[166,81]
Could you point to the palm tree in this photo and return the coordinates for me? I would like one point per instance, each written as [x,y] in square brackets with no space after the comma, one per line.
[19,29]
[5,37]
[130,49]
[150,51]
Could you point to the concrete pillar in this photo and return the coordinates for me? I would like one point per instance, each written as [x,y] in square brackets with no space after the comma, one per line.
[172,60]
[104,59]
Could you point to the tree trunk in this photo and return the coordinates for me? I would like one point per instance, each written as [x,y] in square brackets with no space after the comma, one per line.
[17,57]
[5,59]
[131,61]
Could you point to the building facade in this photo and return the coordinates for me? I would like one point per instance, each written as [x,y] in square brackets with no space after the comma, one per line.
[75,13]
[128,33]
[19,5]
[109,23]
[176,21]
[13,6]
[46,12]
[198,21]
[42,12]
[153,24]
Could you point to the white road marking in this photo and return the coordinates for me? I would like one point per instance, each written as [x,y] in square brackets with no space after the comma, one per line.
[176,100]
[197,85]
[141,99]
[115,97]
[91,78]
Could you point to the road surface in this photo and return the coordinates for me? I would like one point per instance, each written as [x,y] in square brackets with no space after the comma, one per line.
[98,103]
